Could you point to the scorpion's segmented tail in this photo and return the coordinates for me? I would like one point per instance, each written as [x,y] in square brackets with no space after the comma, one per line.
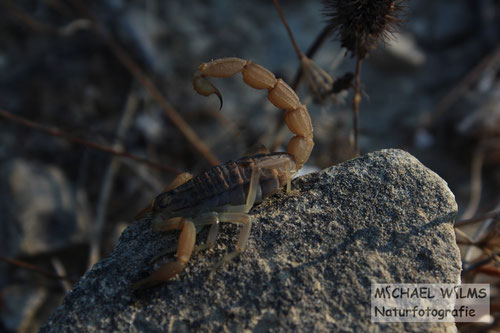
[279,93]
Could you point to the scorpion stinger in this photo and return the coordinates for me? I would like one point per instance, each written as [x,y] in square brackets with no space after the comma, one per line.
[227,192]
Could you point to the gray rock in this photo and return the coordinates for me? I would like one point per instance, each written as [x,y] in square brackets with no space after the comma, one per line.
[38,212]
[19,306]
[309,264]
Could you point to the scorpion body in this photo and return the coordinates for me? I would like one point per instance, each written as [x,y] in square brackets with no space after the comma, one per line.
[227,192]
[222,187]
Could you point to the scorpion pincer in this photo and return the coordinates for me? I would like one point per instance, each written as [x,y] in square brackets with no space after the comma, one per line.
[227,192]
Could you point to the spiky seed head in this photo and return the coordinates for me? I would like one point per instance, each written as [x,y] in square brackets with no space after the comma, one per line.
[360,24]
[318,81]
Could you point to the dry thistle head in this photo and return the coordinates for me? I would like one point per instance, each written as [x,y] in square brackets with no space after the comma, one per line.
[360,24]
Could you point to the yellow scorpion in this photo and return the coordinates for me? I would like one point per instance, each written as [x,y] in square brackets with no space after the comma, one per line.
[227,192]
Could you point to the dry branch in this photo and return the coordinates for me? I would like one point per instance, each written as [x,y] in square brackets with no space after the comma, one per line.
[61,134]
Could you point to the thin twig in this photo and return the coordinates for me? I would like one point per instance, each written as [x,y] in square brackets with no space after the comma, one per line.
[300,55]
[489,270]
[467,267]
[59,268]
[476,173]
[472,76]
[34,268]
[320,39]
[355,104]
[476,184]
[144,79]
[58,6]
[466,238]
[126,61]
[224,121]
[490,215]
[27,19]
[145,177]
[107,184]
[74,26]
[61,134]
[483,235]
[34,24]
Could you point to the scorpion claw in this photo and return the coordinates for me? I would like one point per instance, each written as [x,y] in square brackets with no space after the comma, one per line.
[205,87]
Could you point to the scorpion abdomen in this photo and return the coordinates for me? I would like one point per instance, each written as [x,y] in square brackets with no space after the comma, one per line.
[222,185]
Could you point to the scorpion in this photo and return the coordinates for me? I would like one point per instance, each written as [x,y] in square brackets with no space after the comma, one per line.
[227,192]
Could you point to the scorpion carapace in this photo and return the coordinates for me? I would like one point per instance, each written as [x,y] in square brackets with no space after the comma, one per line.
[227,192]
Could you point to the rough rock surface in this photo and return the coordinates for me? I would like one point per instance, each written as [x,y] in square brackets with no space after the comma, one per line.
[309,264]
[19,305]
[41,213]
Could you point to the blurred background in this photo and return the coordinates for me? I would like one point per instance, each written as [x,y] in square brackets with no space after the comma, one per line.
[117,75]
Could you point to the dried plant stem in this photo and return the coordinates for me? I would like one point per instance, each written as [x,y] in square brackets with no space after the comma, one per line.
[475,265]
[126,61]
[483,234]
[58,6]
[34,268]
[225,122]
[34,24]
[61,134]
[27,19]
[300,55]
[489,61]
[476,184]
[355,104]
[489,269]
[59,268]
[144,79]
[174,116]
[466,238]
[107,184]
[490,215]
[318,42]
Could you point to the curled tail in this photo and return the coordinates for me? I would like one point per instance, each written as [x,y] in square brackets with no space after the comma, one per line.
[279,94]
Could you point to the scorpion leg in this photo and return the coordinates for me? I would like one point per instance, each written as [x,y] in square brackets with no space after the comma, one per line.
[163,253]
[175,224]
[211,238]
[213,219]
[252,189]
[178,181]
[172,269]
[251,195]
[240,218]
[236,218]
